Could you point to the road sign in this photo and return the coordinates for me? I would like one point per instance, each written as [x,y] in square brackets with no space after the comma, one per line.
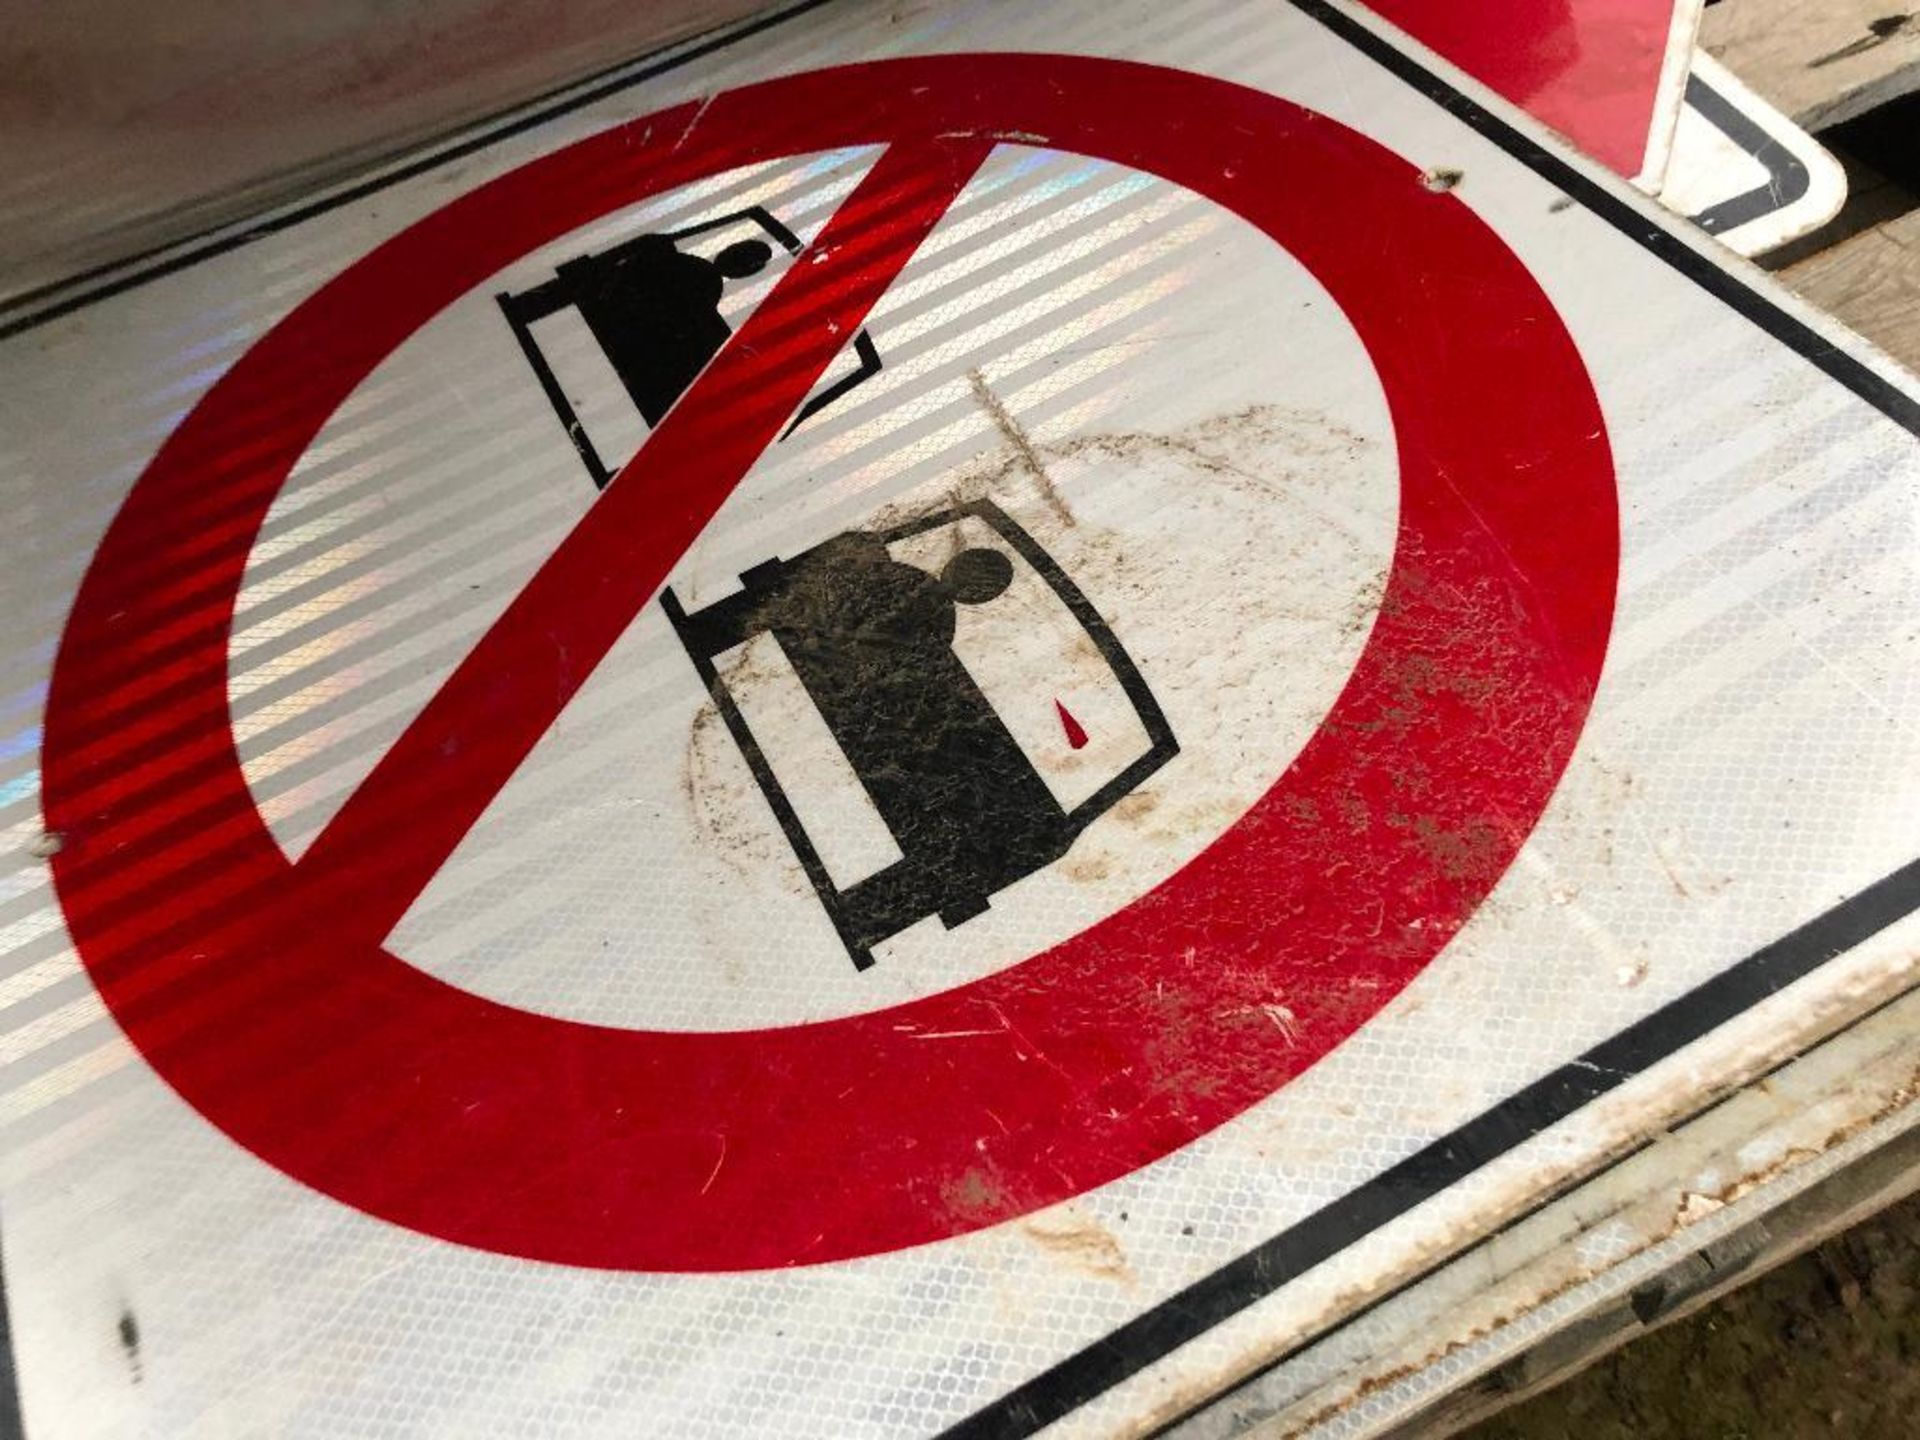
[1607,74]
[883,734]
[1138,1006]
[1744,171]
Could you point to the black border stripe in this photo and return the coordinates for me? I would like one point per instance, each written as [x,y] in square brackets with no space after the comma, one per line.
[1708,272]
[1558,1192]
[1787,176]
[1258,1273]
[178,255]
[1445,1162]
[1156,1333]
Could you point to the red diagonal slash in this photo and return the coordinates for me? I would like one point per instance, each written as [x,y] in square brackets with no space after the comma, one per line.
[396,831]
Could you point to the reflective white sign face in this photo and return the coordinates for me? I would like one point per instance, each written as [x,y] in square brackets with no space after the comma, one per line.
[1743,171]
[925,722]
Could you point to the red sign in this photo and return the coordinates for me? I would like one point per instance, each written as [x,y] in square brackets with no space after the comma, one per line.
[1592,69]
[260,987]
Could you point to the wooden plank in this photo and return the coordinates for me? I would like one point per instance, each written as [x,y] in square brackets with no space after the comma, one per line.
[1871,282]
[1821,62]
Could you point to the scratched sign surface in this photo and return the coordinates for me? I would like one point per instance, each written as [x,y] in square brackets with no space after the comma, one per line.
[915,722]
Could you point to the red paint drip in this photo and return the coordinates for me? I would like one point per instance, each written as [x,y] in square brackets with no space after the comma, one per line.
[1076,732]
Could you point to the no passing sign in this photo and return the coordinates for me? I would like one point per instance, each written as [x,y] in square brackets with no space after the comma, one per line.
[879,666]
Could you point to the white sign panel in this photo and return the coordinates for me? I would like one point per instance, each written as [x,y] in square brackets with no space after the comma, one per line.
[938,721]
[1743,171]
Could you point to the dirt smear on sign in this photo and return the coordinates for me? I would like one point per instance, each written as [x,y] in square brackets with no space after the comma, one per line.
[1260,459]
[1011,431]
[1081,1242]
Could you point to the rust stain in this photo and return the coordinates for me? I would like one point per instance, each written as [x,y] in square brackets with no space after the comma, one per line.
[1695,1205]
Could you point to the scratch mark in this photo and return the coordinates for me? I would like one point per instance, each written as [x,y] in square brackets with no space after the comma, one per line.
[1606,1070]
[692,125]
[1673,875]
[950,1034]
[1285,1021]
[1024,1047]
[714,1174]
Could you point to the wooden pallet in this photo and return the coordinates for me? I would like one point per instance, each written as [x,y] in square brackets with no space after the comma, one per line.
[1821,61]
[1871,281]
[1825,63]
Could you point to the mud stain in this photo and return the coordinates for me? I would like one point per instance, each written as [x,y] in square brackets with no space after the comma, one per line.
[1088,868]
[128,1331]
[975,1194]
[1011,431]
[1256,460]
[1261,451]
[1083,1243]
[1473,850]
[723,809]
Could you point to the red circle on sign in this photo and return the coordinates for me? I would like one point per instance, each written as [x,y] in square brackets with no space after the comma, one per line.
[256,991]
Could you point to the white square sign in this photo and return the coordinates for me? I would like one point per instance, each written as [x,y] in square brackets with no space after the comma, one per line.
[938,721]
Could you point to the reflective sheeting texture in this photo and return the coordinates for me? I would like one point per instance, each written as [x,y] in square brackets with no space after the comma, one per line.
[937,721]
